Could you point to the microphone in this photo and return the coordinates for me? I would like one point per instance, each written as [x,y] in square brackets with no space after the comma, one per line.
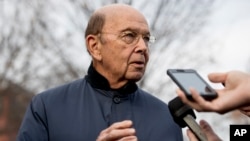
[184,116]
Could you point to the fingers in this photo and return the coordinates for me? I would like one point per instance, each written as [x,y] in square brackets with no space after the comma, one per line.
[121,131]
[181,95]
[129,138]
[217,77]
[209,132]
[121,125]
[245,110]
[197,103]
[206,128]
[191,135]
[247,113]
[196,96]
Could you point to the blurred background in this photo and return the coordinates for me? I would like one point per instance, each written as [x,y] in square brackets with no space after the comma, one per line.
[42,46]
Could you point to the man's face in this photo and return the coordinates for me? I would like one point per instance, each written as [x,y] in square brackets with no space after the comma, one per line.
[124,47]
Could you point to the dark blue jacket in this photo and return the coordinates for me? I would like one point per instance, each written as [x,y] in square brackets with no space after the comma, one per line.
[80,110]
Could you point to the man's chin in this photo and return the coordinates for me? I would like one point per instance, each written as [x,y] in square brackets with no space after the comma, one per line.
[135,77]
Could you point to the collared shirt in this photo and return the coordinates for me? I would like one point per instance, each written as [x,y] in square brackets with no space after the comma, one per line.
[80,110]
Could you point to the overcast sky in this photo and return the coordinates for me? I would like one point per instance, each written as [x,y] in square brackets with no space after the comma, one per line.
[230,27]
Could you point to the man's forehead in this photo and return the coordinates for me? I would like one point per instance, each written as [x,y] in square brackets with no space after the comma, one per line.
[120,17]
[120,12]
[126,22]
[126,26]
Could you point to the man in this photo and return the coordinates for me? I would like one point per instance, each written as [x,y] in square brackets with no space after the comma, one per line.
[235,95]
[106,105]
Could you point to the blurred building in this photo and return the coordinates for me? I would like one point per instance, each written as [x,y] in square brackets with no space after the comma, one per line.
[13,102]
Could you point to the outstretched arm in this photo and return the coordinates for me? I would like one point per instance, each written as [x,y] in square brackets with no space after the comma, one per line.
[236,93]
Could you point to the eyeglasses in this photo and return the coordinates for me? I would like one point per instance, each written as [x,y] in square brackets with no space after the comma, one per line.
[132,38]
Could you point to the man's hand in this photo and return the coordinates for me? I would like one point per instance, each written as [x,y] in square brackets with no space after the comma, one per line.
[119,131]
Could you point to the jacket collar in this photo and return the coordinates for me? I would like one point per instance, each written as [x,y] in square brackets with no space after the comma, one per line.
[96,80]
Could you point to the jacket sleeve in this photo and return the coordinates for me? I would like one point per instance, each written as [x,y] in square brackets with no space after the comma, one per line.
[34,125]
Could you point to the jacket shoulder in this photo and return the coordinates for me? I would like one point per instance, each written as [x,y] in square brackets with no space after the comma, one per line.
[65,89]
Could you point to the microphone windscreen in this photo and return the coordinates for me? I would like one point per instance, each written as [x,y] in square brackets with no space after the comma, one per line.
[179,110]
[175,104]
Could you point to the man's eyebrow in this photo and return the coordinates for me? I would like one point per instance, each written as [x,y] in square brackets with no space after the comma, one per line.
[136,30]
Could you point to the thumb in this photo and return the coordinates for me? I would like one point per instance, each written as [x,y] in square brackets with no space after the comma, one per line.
[217,77]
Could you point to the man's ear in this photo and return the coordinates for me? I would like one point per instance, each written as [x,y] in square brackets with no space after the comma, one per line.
[93,46]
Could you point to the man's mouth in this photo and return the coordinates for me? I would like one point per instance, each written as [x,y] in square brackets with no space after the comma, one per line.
[138,64]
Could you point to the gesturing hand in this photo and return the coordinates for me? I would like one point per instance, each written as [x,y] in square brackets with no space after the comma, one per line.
[119,131]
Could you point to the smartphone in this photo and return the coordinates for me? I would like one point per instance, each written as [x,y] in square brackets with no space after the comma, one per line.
[187,78]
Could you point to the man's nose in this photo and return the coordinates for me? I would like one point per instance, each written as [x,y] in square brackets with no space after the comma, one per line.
[141,46]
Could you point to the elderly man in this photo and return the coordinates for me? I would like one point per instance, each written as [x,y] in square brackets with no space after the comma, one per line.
[106,105]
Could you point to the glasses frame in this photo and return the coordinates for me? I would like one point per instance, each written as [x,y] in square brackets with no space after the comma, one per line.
[128,35]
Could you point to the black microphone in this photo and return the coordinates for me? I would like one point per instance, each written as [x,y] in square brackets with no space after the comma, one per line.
[184,116]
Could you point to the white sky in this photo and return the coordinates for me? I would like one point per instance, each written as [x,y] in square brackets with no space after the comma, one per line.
[230,26]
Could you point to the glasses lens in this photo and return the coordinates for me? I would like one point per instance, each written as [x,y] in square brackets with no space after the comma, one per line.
[129,37]
[152,39]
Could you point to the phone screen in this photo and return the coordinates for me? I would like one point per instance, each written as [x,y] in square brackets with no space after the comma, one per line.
[188,80]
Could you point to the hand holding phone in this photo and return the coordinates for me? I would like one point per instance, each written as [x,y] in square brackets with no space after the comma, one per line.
[187,78]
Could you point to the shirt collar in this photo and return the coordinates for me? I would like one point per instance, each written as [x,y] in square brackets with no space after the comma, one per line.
[96,80]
